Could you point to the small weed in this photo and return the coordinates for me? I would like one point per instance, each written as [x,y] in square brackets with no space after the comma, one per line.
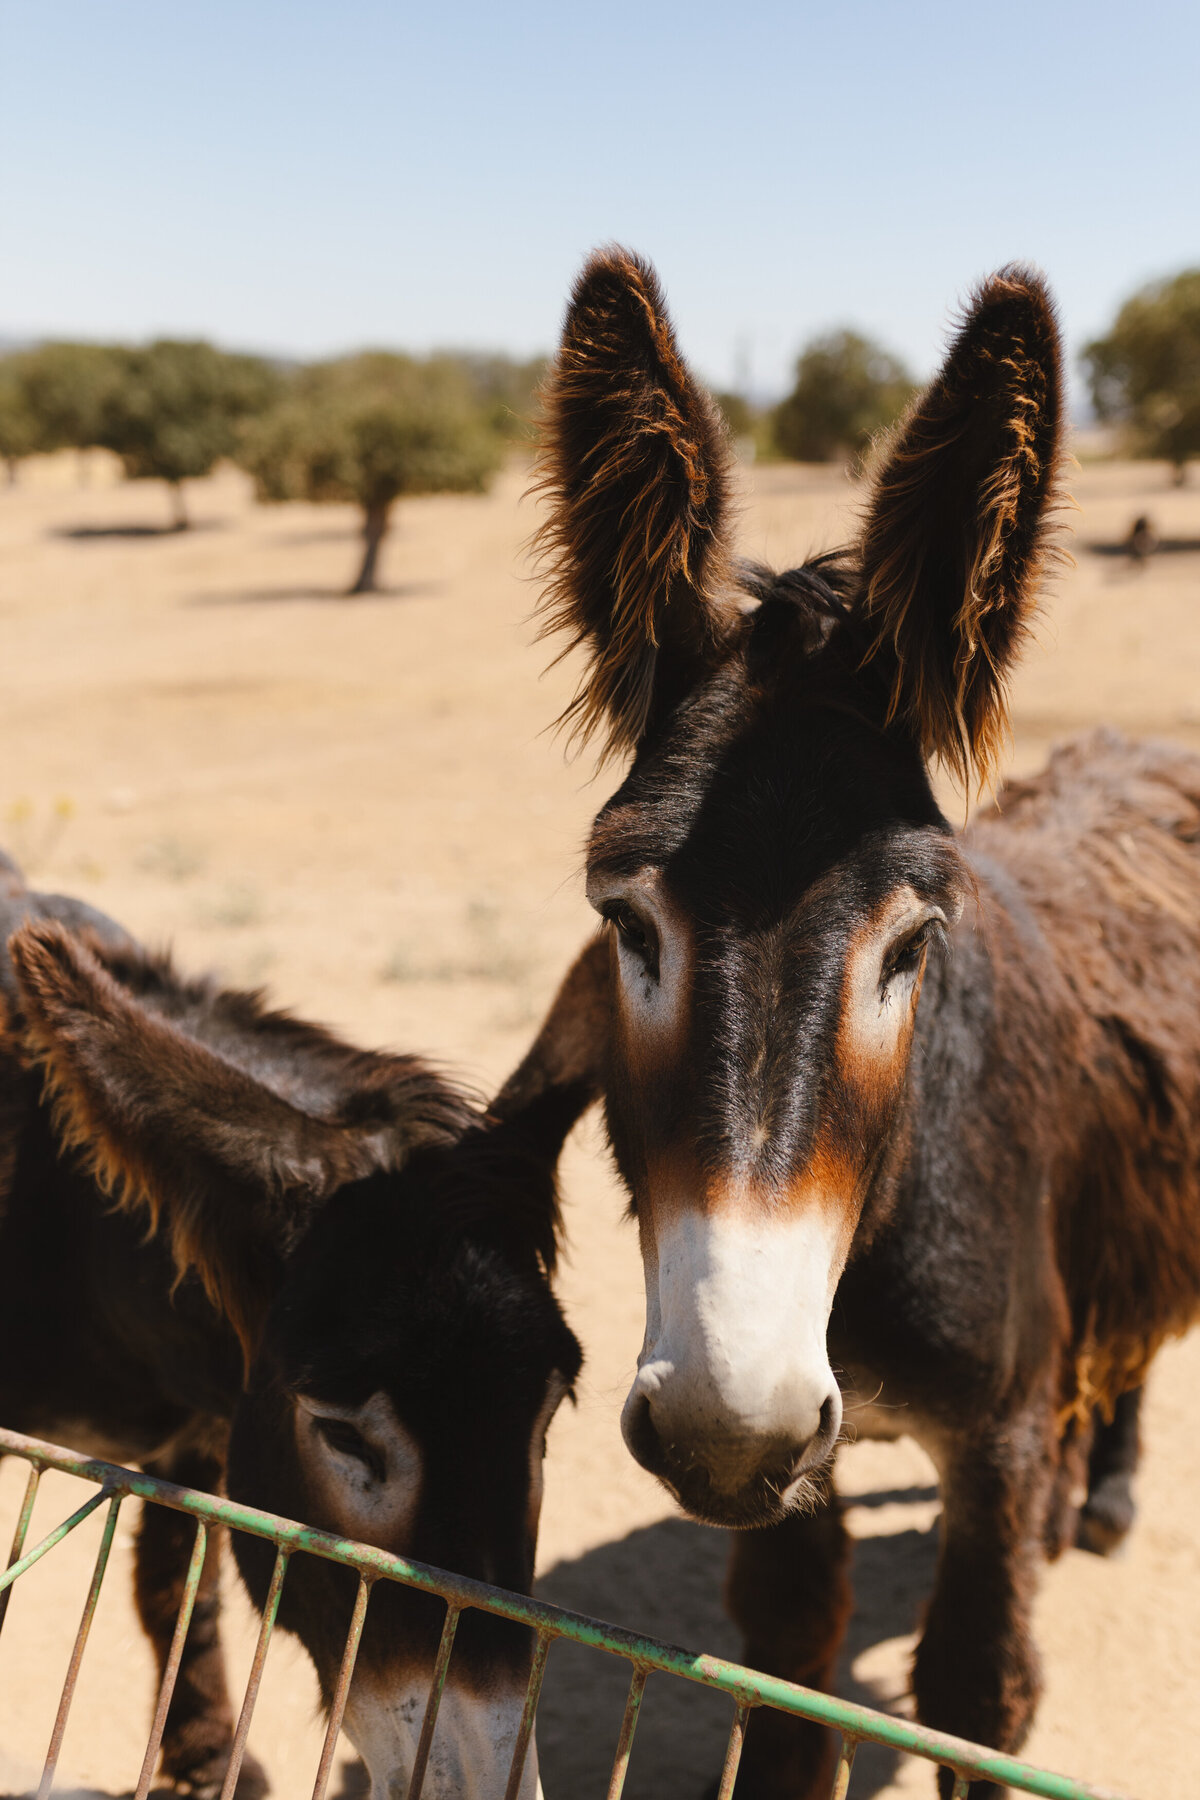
[169,858]
[237,907]
[35,837]
[489,954]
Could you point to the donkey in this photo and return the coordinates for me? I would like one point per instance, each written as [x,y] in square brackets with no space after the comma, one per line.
[910,1119]
[236,1248]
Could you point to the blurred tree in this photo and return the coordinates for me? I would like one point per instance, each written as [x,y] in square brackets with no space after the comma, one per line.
[740,417]
[847,388]
[370,429]
[18,427]
[68,388]
[1145,375]
[175,409]
[506,390]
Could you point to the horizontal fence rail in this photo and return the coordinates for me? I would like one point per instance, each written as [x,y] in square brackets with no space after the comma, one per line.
[746,1687]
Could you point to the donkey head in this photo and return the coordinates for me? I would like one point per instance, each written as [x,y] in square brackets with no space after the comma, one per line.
[774,869]
[383,1255]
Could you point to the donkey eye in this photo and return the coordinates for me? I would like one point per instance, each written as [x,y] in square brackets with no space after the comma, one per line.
[630,929]
[347,1440]
[906,957]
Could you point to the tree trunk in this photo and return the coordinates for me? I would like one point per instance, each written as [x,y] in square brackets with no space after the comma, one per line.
[375,524]
[1179,473]
[179,514]
[12,464]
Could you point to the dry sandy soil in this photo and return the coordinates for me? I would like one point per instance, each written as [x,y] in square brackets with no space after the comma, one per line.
[358,804]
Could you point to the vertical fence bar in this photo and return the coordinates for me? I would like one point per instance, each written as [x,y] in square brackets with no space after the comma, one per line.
[81,1637]
[841,1775]
[633,1706]
[18,1543]
[437,1682]
[733,1752]
[525,1728]
[961,1785]
[167,1685]
[341,1692]
[255,1675]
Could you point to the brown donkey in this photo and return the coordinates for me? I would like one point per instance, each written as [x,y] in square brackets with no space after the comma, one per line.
[236,1249]
[908,1118]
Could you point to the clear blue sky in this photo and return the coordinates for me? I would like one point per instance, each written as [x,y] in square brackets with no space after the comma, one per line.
[309,178]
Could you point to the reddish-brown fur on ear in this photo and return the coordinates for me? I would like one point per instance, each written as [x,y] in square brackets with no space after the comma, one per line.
[634,460]
[957,537]
[226,1165]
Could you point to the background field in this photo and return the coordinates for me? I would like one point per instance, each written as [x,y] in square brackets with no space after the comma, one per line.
[357,803]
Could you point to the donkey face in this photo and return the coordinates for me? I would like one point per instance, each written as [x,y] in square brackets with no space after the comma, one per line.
[774,869]
[408,1374]
[383,1259]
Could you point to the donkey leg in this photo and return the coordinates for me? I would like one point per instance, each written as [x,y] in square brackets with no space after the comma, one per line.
[788,1589]
[199,1728]
[1108,1511]
[977,1672]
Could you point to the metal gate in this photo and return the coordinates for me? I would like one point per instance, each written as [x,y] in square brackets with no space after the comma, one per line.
[646,1656]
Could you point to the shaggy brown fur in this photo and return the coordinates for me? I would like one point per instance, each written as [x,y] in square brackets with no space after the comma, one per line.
[956,541]
[1104,846]
[635,464]
[143,1072]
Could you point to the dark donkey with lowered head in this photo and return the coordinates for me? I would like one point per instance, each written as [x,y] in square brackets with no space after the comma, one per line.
[906,1116]
[324,1280]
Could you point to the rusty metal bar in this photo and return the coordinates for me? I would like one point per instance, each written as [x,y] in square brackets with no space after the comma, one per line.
[174,1657]
[81,1637]
[254,1678]
[525,1728]
[342,1691]
[22,1527]
[961,1785]
[633,1706]
[54,1537]
[841,1775]
[733,1751]
[437,1682]
[748,1687]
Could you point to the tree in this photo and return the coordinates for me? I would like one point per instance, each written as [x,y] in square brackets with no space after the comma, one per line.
[68,388]
[18,427]
[847,388]
[739,416]
[1145,375]
[370,429]
[175,409]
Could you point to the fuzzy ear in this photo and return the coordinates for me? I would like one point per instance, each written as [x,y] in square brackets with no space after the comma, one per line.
[635,464]
[225,1164]
[956,539]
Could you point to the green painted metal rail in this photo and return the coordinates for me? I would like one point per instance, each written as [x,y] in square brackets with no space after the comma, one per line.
[747,1688]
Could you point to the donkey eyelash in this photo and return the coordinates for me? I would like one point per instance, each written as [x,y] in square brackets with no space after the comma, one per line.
[905,957]
[632,931]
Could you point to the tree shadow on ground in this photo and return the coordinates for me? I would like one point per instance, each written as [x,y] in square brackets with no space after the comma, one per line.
[88,533]
[1164,547]
[270,596]
[665,1580]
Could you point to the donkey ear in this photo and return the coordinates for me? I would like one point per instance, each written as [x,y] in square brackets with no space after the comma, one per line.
[225,1164]
[635,464]
[957,537]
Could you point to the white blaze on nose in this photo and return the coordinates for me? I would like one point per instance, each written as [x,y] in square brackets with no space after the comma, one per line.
[472,1745]
[737,1307]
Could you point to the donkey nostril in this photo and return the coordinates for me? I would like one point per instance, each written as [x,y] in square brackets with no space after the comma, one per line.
[831,1418]
[640,1433]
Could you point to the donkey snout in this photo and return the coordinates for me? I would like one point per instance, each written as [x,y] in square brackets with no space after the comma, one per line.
[724,1466]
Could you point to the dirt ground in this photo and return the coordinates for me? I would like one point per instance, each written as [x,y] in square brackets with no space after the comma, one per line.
[357,803]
